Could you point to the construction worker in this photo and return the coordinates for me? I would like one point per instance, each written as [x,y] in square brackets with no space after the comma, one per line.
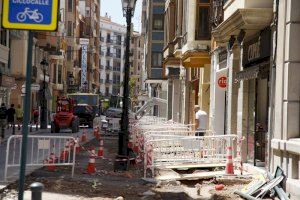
[11,113]
[3,117]
[201,121]
[19,115]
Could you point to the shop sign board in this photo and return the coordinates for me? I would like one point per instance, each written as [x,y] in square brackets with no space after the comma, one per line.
[30,14]
[257,49]
[222,82]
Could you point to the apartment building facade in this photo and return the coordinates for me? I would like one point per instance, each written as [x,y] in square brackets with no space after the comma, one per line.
[153,21]
[186,57]
[112,51]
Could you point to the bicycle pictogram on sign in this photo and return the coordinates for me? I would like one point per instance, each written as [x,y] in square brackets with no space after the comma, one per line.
[31,14]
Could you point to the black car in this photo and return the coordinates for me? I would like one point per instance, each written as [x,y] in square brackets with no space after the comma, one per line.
[86,114]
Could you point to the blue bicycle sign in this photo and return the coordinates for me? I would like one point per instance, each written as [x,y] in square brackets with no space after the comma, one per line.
[30,15]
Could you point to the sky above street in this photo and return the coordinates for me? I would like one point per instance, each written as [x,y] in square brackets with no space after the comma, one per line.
[114,9]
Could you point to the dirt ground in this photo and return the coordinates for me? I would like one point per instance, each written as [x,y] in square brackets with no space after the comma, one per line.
[108,184]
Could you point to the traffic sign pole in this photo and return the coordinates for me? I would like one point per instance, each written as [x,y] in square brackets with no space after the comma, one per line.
[26,117]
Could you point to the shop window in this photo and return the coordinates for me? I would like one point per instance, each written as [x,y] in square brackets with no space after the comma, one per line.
[203,20]
[158,22]
[156,59]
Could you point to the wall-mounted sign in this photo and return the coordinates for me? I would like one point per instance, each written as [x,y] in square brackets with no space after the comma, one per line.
[30,14]
[84,48]
[222,82]
[257,49]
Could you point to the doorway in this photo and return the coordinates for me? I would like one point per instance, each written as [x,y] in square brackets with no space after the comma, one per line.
[261,121]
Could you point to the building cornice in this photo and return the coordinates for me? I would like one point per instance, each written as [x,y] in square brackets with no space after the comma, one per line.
[246,19]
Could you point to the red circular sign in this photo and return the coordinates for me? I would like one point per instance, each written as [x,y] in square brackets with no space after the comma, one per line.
[222,82]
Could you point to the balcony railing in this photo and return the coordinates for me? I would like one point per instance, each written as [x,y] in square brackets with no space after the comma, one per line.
[109,68]
[109,81]
[102,39]
[116,69]
[109,54]
[102,67]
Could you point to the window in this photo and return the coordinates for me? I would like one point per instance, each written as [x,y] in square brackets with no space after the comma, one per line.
[203,20]
[59,73]
[106,91]
[108,38]
[118,53]
[119,39]
[69,53]
[70,5]
[158,22]
[3,37]
[107,63]
[156,59]
[69,28]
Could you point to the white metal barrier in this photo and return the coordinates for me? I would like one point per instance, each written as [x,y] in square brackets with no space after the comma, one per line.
[178,150]
[114,124]
[39,149]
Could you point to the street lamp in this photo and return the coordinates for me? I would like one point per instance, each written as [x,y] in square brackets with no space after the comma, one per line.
[128,12]
[43,123]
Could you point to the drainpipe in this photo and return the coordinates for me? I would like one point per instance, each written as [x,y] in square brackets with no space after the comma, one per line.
[274,27]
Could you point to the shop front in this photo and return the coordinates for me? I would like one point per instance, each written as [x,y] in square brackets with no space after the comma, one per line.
[255,75]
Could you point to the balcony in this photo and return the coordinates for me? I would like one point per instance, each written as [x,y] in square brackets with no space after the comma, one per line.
[46,41]
[108,54]
[101,81]
[102,67]
[109,81]
[108,40]
[102,39]
[116,69]
[109,68]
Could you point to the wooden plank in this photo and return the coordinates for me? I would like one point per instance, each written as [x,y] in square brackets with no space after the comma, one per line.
[191,166]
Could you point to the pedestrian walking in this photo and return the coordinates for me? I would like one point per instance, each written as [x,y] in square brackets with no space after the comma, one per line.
[3,118]
[201,121]
[11,113]
[19,115]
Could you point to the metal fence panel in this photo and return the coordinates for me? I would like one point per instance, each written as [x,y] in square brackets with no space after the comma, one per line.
[38,150]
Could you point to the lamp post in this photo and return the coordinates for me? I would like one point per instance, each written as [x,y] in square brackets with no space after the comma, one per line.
[43,123]
[128,12]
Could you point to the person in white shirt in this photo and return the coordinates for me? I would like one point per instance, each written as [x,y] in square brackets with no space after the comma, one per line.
[201,121]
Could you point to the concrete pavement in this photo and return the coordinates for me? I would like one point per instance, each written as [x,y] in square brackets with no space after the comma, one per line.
[13,173]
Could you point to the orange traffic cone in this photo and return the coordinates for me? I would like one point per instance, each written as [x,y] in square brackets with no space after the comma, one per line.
[65,153]
[100,151]
[92,159]
[83,137]
[229,163]
[77,145]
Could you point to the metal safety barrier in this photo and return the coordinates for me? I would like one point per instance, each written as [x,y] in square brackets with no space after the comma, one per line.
[172,149]
[114,124]
[39,149]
